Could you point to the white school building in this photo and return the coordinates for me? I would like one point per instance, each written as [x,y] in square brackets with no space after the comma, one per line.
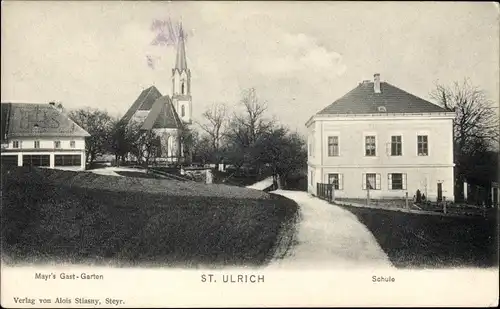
[380,136]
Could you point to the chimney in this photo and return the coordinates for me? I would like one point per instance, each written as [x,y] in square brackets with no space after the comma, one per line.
[60,108]
[376,83]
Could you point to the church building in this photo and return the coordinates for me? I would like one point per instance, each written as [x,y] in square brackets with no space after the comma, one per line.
[167,115]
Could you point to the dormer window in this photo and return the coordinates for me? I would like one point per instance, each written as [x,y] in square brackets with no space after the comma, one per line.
[382,109]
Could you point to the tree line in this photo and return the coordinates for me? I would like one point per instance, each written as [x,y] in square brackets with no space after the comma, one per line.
[244,137]
[475,133]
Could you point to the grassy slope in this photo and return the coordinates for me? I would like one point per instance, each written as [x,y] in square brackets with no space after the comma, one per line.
[82,217]
[428,241]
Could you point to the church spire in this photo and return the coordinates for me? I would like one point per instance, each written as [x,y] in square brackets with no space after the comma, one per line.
[180,61]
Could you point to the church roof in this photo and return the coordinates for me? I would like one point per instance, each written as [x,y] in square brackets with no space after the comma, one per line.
[143,102]
[36,120]
[162,115]
[364,100]
[180,60]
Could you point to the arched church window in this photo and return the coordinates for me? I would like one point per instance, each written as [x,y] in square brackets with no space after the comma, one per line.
[182,88]
[170,146]
[183,111]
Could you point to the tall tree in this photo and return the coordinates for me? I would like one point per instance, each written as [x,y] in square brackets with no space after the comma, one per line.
[246,127]
[187,141]
[99,125]
[284,151]
[124,138]
[147,147]
[475,128]
[214,125]
[476,120]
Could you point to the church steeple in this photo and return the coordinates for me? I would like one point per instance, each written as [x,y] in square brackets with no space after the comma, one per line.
[180,61]
[181,81]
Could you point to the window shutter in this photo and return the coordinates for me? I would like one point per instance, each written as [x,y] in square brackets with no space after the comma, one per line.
[388,148]
[389,181]
[341,181]
[377,184]
[364,182]
[404,181]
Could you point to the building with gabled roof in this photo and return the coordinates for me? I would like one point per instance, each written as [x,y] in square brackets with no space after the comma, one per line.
[41,135]
[166,115]
[382,141]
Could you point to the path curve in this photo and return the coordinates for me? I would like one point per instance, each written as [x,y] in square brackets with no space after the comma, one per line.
[328,236]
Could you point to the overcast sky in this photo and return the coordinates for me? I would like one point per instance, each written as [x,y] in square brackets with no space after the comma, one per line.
[300,56]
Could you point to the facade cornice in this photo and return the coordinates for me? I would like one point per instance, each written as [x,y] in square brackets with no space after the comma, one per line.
[379,116]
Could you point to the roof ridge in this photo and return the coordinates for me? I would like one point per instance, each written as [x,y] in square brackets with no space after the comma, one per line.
[147,94]
[363,100]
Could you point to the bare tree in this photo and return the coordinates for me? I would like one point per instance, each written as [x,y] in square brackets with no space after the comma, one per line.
[476,120]
[215,124]
[475,128]
[245,128]
[251,122]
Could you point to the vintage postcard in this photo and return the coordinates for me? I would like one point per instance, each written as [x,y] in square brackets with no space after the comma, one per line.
[249,154]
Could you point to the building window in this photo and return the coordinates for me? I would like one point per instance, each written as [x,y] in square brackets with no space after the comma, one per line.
[371,181]
[57,144]
[72,144]
[17,144]
[396,146]
[422,145]
[36,160]
[333,146]
[67,160]
[183,111]
[336,180]
[9,160]
[36,144]
[370,146]
[397,181]
[182,87]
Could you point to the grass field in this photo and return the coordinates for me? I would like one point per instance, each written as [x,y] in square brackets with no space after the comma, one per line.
[427,241]
[80,217]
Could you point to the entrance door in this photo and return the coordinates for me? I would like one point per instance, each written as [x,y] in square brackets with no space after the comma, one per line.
[440,192]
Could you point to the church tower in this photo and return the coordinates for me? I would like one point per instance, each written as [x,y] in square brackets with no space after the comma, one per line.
[181,82]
